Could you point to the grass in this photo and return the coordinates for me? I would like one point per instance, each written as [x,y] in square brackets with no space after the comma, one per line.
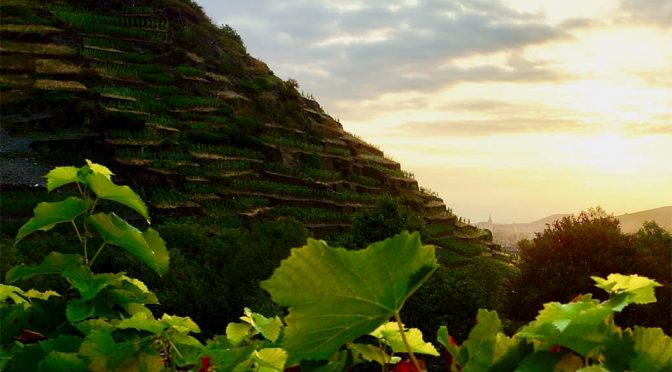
[291,142]
[303,191]
[337,151]
[189,71]
[142,106]
[111,25]
[363,180]
[277,188]
[12,81]
[139,94]
[108,43]
[311,214]
[131,134]
[321,174]
[44,84]
[191,101]
[151,73]
[32,29]
[225,150]
[35,48]
[108,55]
[55,66]
[163,195]
[214,169]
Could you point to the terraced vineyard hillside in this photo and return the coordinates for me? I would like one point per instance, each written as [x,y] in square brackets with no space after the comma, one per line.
[176,107]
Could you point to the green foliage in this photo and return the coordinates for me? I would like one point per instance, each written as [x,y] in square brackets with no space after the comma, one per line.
[365,279]
[334,298]
[387,219]
[580,335]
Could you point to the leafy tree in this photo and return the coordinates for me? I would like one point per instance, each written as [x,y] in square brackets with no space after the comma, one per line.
[558,262]
[653,258]
[387,219]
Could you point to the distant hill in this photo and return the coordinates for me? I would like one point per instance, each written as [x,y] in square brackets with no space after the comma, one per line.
[631,222]
[510,233]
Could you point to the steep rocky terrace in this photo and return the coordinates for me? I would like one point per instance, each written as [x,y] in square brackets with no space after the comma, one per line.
[177,108]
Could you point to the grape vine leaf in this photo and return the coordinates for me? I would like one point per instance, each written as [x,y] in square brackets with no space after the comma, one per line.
[627,289]
[47,215]
[580,326]
[61,176]
[28,357]
[371,353]
[16,294]
[100,169]
[540,361]
[53,263]
[389,333]
[144,322]
[653,350]
[487,347]
[270,359]
[268,327]
[335,295]
[149,247]
[106,189]
[58,361]
[105,354]
[237,332]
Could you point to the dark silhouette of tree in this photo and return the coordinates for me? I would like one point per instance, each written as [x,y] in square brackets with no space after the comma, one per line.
[557,265]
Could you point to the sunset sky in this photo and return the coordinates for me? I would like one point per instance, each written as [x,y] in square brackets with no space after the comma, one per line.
[513,108]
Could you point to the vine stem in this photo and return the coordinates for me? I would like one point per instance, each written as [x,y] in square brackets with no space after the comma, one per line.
[408,346]
[97,253]
[79,236]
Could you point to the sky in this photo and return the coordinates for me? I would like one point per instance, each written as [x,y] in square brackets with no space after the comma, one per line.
[515,109]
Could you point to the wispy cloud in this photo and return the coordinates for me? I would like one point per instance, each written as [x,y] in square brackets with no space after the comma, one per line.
[658,12]
[375,47]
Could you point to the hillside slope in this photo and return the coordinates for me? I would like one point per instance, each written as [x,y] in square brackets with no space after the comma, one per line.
[178,109]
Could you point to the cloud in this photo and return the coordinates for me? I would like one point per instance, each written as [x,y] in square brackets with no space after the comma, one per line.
[367,49]
[490,126]
[656,12]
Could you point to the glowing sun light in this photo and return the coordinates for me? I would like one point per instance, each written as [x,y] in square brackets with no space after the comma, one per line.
[610,153]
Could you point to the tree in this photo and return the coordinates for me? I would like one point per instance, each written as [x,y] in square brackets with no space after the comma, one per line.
[559,262]
[387,219]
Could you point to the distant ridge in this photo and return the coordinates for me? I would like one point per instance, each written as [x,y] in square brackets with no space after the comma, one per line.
[631,222]
[510,233]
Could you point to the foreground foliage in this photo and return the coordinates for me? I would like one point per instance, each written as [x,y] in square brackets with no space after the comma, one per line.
[343,309]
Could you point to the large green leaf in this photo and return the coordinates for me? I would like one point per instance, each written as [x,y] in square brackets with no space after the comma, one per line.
[60,176]
[54,263]
[335,295]
[106,189]
[48,215]
[653,350]
[147,246]
[580,326]
[627,289]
